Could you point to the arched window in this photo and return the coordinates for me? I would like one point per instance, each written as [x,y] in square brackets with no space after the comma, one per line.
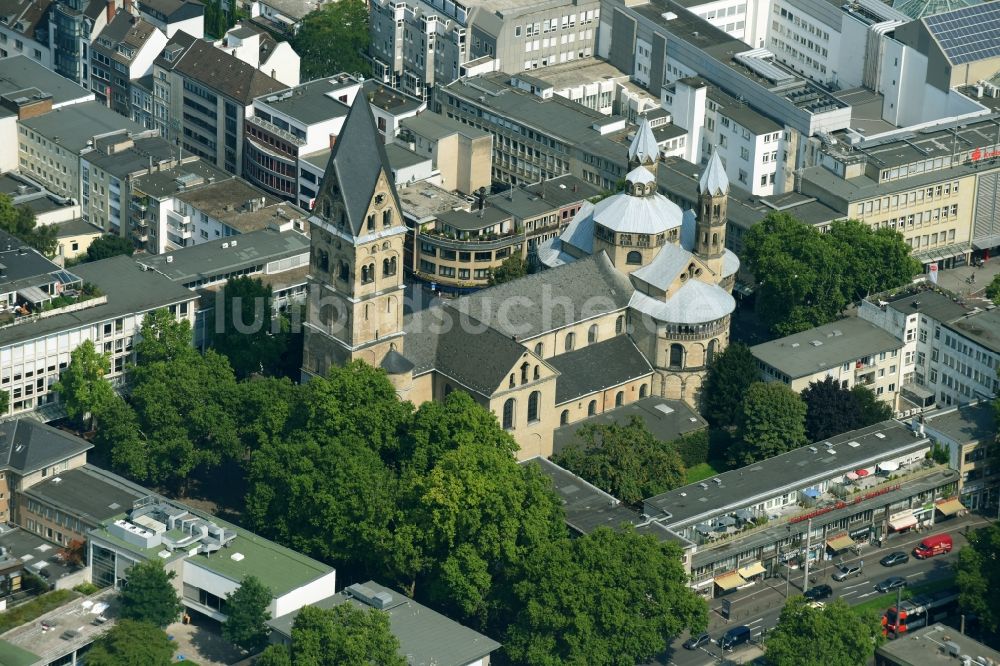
[385,267]
[392,265]
[345,271]
[537,374]
[570,341]
[326,209]
[364,274]
[524,372]
[371,222]
[676,356]
[710,352]
[633,257]
[564,417]
[619,398]
[511,383]
[592,408]
[642,391]
[508,414]
[533,400]
[322,261]
[539,348]
[592,334]
[386,217]
[620,325]
[715,239]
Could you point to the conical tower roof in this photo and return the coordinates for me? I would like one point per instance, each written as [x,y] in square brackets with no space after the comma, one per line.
[714,181]
[643,149]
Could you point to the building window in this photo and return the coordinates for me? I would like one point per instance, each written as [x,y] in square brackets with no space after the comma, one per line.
[508,414]
[634,257]
[710,351]
[533,401]
[570,341]
[619,398]
[642,391]
[620,325]
[538,349]
[592,408]
[676,356]
[592,334]
[564,417]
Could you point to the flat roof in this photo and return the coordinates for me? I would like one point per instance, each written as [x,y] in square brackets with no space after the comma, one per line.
[20,72]
[312,102]
[145,152]
[928,302]
[741,113]
[983,328]
[544,196]
[435,126]
[35,552]
[666,419]
[473,220]
[209,259]
[389,99]
[73,126]
[796,469]
[72,616]
[425,636]
[425,201]
[975,422]
[401,157]
[167,182]
[925,647]
[580,71]
[824,347]
[230,202]
[128,288]
[89,492]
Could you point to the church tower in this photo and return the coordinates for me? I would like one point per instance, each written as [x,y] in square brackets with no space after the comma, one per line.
[710,229]
[643,151]
[356,255]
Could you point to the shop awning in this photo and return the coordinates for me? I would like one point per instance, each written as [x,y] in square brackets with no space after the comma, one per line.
[950,507]
[861,472]
[750,570]
[890,466]
[902,522]
[840,542]
[729,581]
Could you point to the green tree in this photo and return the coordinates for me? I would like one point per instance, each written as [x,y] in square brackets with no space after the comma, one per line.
[245,318]
[772,422]
[334,39]
[626,461]
[148,595]
[19,221]
[343,634]
[869,408]
[247,615]
[121,441]
[993,290]
[978,576]
[511,268]
[82,386]
[109,245]
[806,278]
[728,378]
[163,338]
[830,409]
[129,643]
[275,655]
[833,635]
[607,598]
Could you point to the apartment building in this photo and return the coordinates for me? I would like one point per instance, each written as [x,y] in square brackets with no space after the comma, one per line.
[123,51]
[202,96]
[937,187]
[461,154]
[173,16]
[418,44]
[281,17]
[73,26]
[746,21]
[51,145]
[852,351]
[536,134]
[106,173]
[969,433]
[24,30]
[48,312]
[256,47]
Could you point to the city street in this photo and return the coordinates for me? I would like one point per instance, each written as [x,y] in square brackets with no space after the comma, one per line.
[760,605]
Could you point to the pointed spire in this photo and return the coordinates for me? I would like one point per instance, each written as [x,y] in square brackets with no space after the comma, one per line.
[643,149]
[714,181]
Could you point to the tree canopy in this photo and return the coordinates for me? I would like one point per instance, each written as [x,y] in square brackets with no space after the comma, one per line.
[247,615]
[606,598]
[993,289]
[333,39]
[832,409]
[772,422]
[82,386]
[626,461]
[728,378]
[109,245]
[978,576]
[129,643]
[806,278]
[19,221]
[833,635]
[148,595]
[511,268]
[247,337]
[340,635]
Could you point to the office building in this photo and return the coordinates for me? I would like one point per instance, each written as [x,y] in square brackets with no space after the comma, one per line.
[461,154]
[73,26]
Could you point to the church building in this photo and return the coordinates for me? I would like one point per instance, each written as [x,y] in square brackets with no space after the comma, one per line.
[634,300]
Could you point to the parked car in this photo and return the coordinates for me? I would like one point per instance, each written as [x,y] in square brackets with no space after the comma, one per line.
[891,583]
[892,559]
[696,642]
[818,592]
[846,571]
[933,545]
[735,637]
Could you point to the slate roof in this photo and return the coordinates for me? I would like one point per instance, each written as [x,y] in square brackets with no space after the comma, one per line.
[88,492]
[460,347]
[668,262]
[225,73]
[551,299]
[643,147]
[580,232]
[357,160]
[27,445]
[694,303]
[598,366]
[714,181]
[625,213]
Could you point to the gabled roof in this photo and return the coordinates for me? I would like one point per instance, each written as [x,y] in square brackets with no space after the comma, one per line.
[668,262]
[597,367]
[224,73]
[644,148]
[714,181]
[27,446]
[356,162]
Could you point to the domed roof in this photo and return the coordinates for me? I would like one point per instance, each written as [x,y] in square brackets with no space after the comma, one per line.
[730,263]
[624,213]
[640,175]
[694,303]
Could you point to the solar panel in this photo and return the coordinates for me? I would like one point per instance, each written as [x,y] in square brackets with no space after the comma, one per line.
[968,34]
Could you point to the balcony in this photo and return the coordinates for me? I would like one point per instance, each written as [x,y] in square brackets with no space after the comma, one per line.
[480,243]
[271,128]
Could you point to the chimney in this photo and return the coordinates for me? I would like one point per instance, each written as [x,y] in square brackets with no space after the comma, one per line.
[111,10]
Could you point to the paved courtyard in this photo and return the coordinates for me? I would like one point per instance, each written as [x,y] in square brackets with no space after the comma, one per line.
[201,643]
